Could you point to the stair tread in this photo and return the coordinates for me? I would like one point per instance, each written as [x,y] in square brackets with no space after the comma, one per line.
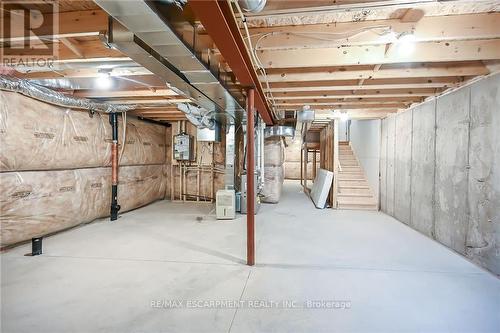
[364,195]
[341,186]
[349,200]
[354,207]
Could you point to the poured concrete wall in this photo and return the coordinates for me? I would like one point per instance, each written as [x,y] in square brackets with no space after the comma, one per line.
[391,149]
[483,233]
[422,168]
[365,141]
[402,166]
[383,166]
[452,142]
[445,179]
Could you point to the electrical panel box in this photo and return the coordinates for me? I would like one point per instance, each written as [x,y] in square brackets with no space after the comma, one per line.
[183,147]
[225,204]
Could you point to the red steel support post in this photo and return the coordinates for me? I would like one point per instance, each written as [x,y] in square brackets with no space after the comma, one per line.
[250,178]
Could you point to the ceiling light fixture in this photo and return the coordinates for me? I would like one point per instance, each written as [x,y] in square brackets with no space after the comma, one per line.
[344,116]
[406,43]
[104,81]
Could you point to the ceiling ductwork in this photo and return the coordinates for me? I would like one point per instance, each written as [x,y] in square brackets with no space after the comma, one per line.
[50,96]
[286,131]
[140,30]
[252,6]
[198,116]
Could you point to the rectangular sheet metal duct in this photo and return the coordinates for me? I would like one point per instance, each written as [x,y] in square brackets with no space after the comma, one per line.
[141,32]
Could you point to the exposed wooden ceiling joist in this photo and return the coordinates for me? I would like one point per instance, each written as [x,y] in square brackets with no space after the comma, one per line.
[150,101]
[346,107]
[428,29]
[348,101]
[443,82]
[70,24]
[86,72]
[357,94]
[405,70]
[376,54]
[89,48]
[124,93]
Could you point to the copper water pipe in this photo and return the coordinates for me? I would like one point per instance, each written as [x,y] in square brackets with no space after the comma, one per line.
[115,207]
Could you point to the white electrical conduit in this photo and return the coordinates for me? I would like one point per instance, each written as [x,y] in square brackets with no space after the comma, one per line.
[314,35]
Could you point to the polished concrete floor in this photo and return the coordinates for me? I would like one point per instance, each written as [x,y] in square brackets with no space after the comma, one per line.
[160,269]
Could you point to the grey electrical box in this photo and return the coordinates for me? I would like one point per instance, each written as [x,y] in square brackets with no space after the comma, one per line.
[183,147]
[210,135]
[244,196]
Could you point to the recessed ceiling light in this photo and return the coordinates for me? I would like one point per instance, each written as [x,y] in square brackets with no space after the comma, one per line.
[104,81]
[406,43]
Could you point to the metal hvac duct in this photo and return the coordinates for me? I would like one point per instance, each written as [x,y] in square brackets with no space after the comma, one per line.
[141,30]
[287,131]
[198,116]
[53,97]
[252,6]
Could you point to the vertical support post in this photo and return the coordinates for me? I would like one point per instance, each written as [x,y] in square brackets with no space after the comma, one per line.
[115,207]
[314,163]
[301,165]
[250,178]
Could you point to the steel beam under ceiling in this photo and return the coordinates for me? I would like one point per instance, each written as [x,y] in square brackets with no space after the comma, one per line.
[218,21]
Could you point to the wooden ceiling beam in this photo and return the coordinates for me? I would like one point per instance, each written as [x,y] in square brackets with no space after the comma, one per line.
[410,70]
[376,54]
[449,80]
[70,24]
[357,94]
[85,72]
[93,48]
[427,29]
[344,107]
[367,84]
[355,100]
[150,101]
[124,93]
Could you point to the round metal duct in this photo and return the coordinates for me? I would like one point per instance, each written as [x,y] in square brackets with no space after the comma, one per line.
[252,6]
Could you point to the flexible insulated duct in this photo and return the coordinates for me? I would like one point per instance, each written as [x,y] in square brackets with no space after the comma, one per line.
[252,6]
[198,116]
[50,96]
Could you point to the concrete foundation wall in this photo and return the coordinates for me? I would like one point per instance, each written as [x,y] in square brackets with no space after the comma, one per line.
[402,166]
[365,141]
[422,168]
[383,166]
[442,170]
[391,149]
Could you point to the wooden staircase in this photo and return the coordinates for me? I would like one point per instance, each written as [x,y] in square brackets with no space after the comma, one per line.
[353,189]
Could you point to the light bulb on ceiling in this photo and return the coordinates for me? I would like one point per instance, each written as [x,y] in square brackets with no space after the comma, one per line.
[104,81]
[406,43]
[344,116]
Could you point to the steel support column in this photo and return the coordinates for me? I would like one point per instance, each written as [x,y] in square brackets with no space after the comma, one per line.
[250,177]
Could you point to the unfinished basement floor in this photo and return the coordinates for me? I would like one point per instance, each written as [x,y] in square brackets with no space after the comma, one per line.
[104,276]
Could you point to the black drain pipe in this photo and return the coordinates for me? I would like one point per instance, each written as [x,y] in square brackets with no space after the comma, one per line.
[115,207]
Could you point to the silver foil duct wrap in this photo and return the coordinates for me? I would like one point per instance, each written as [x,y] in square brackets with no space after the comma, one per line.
[47,95]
